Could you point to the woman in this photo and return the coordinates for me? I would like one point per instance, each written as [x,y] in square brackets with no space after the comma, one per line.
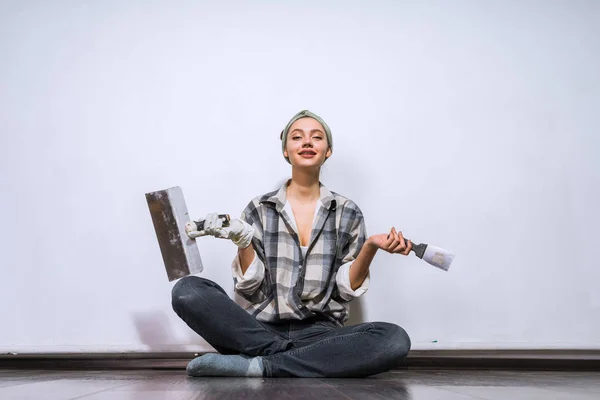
[303,255]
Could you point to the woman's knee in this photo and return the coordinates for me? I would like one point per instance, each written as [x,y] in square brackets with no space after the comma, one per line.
[187,290]
[396,343]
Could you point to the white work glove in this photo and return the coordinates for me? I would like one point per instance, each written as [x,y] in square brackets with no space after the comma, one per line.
[238,231]
[211,222]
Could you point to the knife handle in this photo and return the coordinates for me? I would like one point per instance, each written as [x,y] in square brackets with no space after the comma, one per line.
[224,217]
[405,239]
[419,249]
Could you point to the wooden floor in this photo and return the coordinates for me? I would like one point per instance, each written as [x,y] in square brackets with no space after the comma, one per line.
[400,384]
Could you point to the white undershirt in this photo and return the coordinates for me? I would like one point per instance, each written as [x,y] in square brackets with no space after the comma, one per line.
[288,209]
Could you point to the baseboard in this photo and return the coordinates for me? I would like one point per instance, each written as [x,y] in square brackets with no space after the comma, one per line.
[588,360]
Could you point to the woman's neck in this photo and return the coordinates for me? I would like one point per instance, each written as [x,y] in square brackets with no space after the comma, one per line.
[304,186]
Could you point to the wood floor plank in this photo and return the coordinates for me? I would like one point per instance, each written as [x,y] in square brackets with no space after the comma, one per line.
[146,395]
[401,384]
[59,389]
[235,388]
[518,393]
[15,378]
[497,378]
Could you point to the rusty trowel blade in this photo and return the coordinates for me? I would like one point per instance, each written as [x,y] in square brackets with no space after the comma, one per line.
[169,216]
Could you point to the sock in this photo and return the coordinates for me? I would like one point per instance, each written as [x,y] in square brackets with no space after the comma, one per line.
[213,364]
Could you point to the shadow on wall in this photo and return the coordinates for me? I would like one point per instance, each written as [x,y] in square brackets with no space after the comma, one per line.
[280,183]
[154,331]
[357,312]
[350,176]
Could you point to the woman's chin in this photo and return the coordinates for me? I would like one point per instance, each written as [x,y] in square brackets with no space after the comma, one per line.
[307,164]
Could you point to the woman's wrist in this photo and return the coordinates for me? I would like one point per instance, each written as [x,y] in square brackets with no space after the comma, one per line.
[370,245]
[246,256]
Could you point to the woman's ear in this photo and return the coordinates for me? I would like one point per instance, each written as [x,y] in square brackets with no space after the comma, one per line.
[327,155]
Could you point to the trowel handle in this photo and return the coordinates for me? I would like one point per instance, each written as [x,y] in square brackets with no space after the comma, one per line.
[224,217]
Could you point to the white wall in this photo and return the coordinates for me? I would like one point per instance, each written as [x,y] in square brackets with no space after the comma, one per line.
[469,125]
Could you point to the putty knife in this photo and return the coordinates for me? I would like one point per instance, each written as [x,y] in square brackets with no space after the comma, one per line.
[435,256]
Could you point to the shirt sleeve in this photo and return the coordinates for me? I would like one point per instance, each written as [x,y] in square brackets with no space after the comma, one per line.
[247,283]
[345,288]
[356,240]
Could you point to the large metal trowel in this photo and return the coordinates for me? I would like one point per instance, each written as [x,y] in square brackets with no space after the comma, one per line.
[169,216]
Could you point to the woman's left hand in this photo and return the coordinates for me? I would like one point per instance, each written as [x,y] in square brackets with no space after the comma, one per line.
[393,242]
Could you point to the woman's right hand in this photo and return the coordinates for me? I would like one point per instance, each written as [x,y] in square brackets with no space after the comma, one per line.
[212,223]
[238,231]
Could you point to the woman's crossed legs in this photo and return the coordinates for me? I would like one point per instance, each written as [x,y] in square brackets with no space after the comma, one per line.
[297,349]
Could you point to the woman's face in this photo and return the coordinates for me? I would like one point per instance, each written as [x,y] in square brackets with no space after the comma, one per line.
[307,144]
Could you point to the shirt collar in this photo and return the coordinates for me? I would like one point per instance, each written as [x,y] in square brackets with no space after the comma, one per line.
[279,198]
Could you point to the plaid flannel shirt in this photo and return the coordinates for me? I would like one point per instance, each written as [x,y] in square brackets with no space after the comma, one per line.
[281,283]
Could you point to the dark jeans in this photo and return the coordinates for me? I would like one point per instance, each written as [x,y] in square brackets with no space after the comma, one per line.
[316,348]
